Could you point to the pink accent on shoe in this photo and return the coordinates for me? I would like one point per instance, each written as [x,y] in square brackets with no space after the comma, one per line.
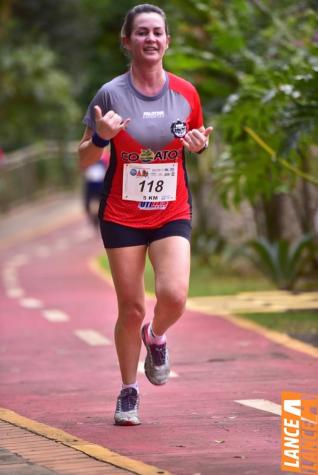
[154,339]
[157,367]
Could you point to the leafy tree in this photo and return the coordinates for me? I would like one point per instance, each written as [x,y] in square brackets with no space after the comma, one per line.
[281,262]
[66,28]
[255,65]
[36,99]
[281,105]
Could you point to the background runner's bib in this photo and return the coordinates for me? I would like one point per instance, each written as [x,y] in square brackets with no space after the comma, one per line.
[155,182]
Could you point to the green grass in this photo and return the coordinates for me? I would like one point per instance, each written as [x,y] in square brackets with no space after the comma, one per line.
[219,278]
[301,324]
[216,279]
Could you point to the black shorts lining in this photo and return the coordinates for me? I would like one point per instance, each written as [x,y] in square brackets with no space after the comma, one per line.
[118,235]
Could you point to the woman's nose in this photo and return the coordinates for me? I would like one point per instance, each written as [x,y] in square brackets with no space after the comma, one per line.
[150,37]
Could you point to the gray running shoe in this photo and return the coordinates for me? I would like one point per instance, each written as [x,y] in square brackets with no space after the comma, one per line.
[157,367]
[127,406]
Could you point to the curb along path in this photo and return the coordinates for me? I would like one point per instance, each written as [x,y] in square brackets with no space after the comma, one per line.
[219,414]
[31,445]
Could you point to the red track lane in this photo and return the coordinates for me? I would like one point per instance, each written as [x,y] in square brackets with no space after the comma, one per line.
[190,426]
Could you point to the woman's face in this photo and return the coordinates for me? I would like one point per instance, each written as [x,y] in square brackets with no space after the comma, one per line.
[148,41]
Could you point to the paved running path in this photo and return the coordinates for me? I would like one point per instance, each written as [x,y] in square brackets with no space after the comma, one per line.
[58,363]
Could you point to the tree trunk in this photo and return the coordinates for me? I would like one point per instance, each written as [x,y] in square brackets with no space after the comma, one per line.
[268,213]
[308,218]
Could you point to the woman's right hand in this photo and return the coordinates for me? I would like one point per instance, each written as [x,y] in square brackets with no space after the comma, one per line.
[108,125]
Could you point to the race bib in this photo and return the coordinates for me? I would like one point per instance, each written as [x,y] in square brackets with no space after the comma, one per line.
[144,182]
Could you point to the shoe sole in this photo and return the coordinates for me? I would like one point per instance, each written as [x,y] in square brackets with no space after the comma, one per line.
[126,423]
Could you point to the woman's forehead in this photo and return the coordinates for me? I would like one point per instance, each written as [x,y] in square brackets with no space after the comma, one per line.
[146,20]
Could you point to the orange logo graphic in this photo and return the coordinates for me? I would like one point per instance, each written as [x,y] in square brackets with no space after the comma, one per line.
[299,433]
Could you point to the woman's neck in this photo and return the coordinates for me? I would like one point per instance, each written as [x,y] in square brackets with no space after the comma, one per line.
[149,81]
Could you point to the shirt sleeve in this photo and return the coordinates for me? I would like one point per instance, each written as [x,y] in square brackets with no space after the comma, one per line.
[100,99]
[196,120]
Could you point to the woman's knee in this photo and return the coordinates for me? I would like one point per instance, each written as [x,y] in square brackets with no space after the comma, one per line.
[173,297]
[131,313]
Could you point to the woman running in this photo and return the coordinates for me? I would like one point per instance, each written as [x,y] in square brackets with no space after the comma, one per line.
[149,116]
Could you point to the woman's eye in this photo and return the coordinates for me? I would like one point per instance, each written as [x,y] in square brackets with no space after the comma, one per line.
[145,33]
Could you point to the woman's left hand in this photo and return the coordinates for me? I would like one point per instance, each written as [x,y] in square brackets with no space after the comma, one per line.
[196,139]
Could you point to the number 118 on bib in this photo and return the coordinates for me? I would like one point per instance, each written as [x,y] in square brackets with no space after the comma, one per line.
[155,182]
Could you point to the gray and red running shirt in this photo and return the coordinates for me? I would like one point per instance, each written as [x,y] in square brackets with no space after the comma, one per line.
[147,140]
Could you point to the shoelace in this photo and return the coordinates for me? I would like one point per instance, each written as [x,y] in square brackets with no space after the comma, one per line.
[127,402]
[158,353]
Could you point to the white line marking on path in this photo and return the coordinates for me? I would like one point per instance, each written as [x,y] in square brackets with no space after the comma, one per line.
[15,293]
[92,337]
[83,234]
[55,316]
[31,303]
[11,284]
[19,260]
[9,277]
[62,244]
[141,370]
[262,405]
[42,251]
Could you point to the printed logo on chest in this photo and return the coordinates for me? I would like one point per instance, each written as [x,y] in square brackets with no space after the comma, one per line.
[147,156]
[154,115]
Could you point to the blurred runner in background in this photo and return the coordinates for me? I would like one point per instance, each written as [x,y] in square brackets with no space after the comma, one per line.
[93,186]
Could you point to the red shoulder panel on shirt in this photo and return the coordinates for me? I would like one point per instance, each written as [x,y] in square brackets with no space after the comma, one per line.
[190,93]
[182,86]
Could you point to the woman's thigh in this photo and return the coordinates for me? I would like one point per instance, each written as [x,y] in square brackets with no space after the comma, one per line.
[127,266]
[170,258]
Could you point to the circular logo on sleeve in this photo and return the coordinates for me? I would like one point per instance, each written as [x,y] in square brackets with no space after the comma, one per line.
[179,128]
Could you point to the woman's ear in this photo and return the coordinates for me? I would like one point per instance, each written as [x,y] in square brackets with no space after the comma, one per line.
[125,43]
